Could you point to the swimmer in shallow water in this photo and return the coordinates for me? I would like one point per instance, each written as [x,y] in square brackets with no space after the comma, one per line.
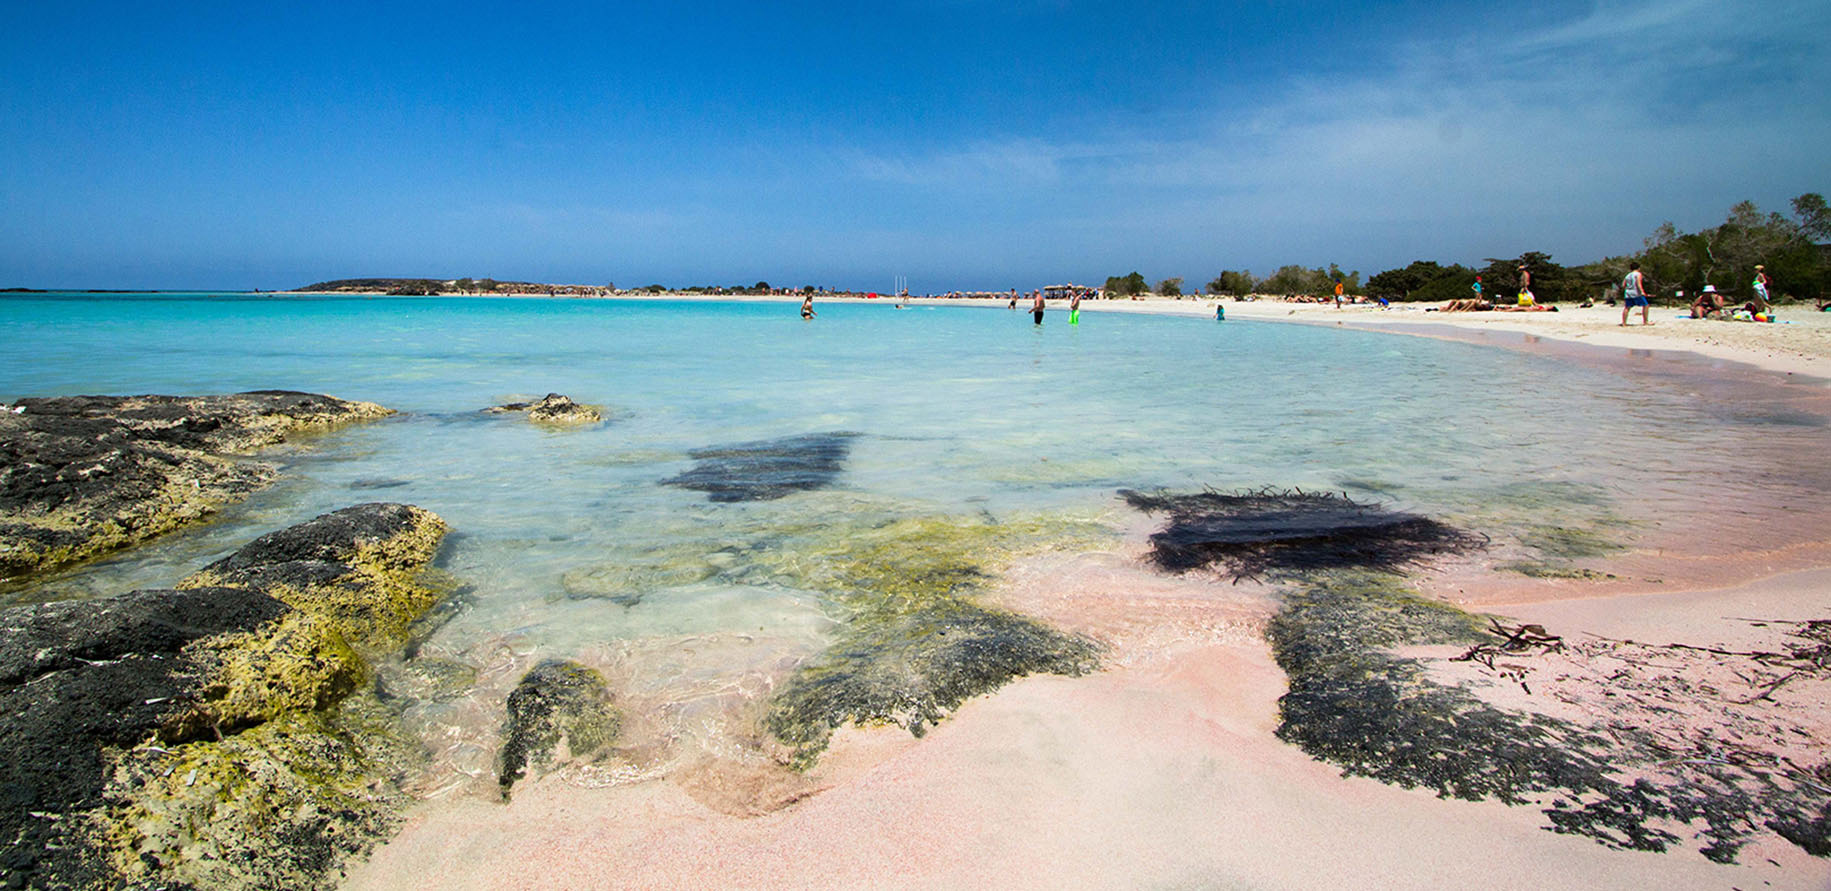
[807,307]
[1036,306]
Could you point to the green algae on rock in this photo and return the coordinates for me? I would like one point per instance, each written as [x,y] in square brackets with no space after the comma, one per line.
[556,701]
[914,644]
[246,749]
[1354,704]
[80,680]
[84,475]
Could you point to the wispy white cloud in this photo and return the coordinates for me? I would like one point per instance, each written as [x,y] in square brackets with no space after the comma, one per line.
[1578,136]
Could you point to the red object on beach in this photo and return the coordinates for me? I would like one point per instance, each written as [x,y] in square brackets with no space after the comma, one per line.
[871,296]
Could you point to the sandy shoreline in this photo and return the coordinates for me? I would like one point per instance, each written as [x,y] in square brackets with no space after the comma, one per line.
[1162,769]
[1801,346]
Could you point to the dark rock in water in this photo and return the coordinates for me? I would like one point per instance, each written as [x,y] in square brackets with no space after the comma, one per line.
[77,678]
[1251,533]
[555,701]
[341,566]
[553,408]
[83,475]
[213,736]
[379,484]
[767,469]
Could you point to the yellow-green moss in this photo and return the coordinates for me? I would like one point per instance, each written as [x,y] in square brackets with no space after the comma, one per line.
[373,607]
[915,644]
[299,663]
[276,806]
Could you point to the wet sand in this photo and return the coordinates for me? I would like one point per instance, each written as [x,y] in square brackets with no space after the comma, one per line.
[1162,768]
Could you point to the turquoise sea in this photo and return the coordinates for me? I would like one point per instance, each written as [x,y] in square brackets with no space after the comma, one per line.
[957,411]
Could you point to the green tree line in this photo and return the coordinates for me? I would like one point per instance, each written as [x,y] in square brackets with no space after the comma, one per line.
[1798,265]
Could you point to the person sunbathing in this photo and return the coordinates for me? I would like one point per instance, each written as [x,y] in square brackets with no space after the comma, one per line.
[1527,307]
[1468,304]
[1708,301]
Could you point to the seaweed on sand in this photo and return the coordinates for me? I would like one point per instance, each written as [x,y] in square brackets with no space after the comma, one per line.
[767,469]
[1252,533]
[914,644]
[1378,715]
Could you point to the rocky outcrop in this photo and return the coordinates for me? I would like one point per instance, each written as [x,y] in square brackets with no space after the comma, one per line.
[553,408]
[555,702]
[222,735]
[768,469]
[84,475]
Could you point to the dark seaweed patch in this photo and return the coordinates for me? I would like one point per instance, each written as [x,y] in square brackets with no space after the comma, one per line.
[1376,715]
[1252,533]
[767,469]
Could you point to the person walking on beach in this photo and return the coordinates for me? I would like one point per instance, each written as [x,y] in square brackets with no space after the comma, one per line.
[1525,286]
[1760,284]
[1036,307]
[1634,293]
[1338,293]
[807,307]
[1477,287]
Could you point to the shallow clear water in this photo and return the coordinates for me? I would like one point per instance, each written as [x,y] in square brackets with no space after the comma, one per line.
[960,411]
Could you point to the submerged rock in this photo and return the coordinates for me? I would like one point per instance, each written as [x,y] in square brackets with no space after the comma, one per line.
[220,735]
[553,408]
[84,475]
[555,702]
[1249,534]
[767,469]
[915,644]
[913,670]
[625,583]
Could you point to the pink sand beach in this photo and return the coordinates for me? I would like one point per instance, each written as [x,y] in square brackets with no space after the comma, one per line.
[1162,769]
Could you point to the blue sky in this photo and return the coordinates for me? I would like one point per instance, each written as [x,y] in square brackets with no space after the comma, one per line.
[961,144]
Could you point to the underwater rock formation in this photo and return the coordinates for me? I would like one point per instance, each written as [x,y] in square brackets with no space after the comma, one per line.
[214,736]
[552,408]
[915,644]
[767,469]
[84,475]
[1249,534]
[555,701]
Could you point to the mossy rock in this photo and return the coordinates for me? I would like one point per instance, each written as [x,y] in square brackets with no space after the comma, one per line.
[92,474]
[914,668]
[914,644]
[280,805]
[555,702]
[218,736]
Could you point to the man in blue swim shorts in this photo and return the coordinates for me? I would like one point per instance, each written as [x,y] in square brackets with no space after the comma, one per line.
[1634,293]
